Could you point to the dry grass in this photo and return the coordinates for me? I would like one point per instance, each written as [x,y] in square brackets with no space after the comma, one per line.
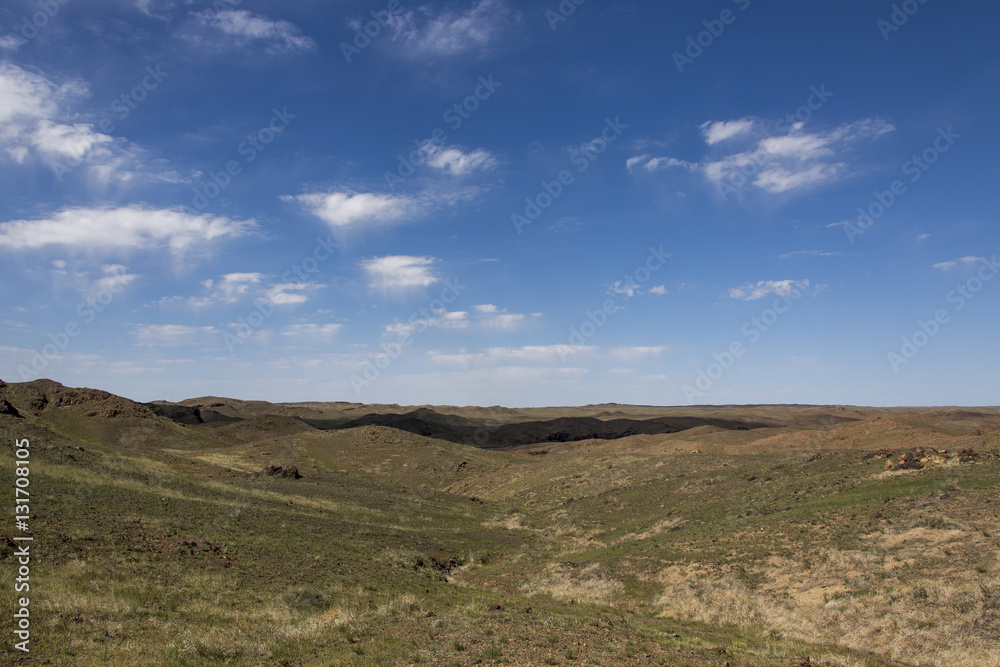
[858,600]
[665,526]
[588,584]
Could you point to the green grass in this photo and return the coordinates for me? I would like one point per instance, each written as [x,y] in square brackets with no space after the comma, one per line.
[167,550]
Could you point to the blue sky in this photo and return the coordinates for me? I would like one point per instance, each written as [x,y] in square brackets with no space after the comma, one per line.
[498,202]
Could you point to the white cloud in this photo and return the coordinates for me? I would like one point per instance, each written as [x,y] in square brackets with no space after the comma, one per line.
[31,107]
[633,161]
[545,354]
[285,294]
[232,286]
[657,163]
[440,319]
[172,334]
[453,160]
[134,226]
[629,290]
[453,33]
[622,288]
[781,179]
[794,161]
[68,141]
[504,321]
[716,131]
[247,29]
[811,253]
[12,42]
[636,353]
[149,8]
[343,209]
[312,332]
[116,278]
[493,317]
[39,119]
[540,354]
[948,266]
[399,271]
[772,162]
[762,288]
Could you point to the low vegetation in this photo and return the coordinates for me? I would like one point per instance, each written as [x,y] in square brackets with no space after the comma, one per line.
[222,532]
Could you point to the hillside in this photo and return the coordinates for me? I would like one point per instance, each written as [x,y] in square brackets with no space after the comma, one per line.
[216,531]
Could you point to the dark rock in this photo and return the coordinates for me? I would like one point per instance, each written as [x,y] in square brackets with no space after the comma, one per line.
[289,472]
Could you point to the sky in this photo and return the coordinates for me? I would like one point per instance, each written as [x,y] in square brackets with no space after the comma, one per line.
[497,202]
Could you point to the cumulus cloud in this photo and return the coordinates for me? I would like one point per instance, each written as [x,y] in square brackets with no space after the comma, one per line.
[761,157]
[716,131]
[763,288]
[657,163]
[134,226]
[399,271]
[236,287]
[629,290]
[453,160]
[246,29]
[232,286]
[344,209]
[286,294]
[40,124]
[438,318]
[33,122]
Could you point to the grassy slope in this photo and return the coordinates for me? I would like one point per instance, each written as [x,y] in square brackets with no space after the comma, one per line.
[159,544]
